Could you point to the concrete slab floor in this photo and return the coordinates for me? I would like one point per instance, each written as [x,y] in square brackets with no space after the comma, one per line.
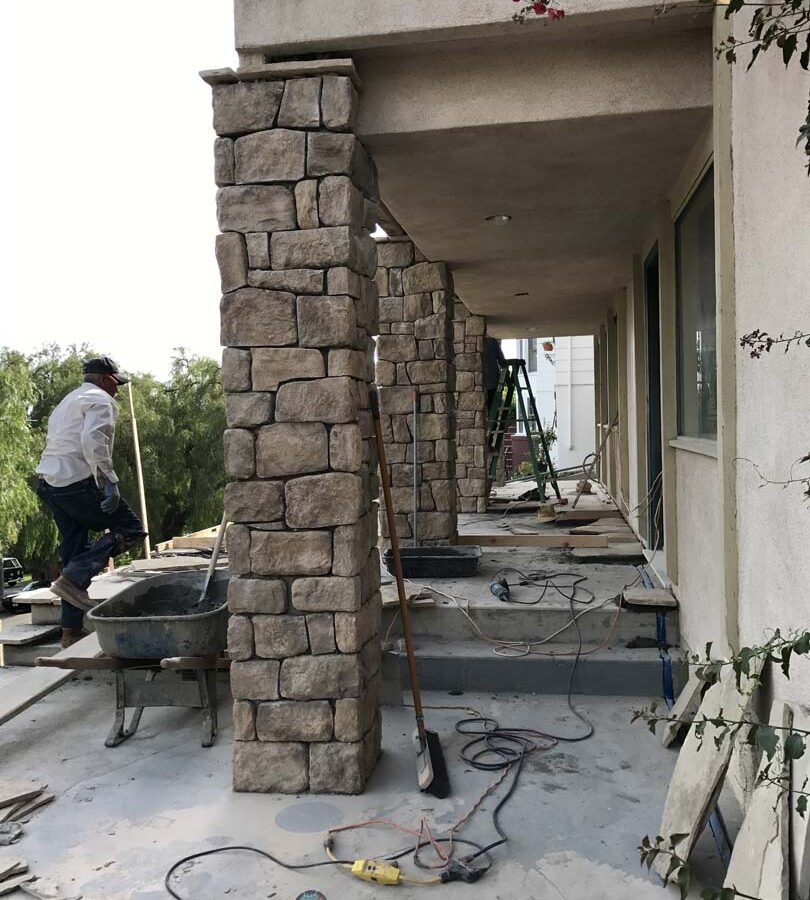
[123,816]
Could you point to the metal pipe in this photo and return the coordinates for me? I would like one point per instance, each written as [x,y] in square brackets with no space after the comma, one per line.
[570,393]
[147,548]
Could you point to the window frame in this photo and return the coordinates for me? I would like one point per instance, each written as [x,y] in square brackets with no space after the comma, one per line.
[703,184]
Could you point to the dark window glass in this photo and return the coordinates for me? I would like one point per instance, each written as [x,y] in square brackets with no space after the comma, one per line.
[696,315]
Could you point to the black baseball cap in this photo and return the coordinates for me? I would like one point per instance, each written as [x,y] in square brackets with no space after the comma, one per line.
[104,365]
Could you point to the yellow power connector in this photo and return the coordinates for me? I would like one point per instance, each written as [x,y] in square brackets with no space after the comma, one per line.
[378,872]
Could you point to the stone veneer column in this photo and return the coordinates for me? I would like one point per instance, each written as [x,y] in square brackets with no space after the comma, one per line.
[469,333]
[415,350]
[298,312]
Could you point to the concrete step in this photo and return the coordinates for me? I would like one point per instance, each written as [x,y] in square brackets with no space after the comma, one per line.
[511,622]
[45,614]
[26,654]
[473,666]
[25,633]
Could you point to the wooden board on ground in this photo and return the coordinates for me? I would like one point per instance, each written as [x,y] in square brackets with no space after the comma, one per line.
[701,766]
[420,600]
[534,540]
[621,537]
[165,564]
[28,634]
[615,553]
[759,862]
[581,514]
[616,526]
[649,597]
[15,792]
[27,689]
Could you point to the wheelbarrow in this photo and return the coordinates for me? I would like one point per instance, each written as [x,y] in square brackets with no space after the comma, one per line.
[164,649]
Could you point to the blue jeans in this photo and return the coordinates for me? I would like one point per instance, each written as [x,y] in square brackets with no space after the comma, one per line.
[77,511]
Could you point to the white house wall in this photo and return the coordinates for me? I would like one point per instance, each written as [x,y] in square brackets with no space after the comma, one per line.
[699,587]
[772,236]
[575,399]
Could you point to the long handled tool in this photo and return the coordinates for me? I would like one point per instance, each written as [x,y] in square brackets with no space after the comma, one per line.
[214,557]
[415,465]
[431,768]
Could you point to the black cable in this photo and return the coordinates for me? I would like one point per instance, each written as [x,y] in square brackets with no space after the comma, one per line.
[264,853]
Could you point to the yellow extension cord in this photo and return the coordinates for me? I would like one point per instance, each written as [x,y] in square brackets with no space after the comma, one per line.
[379,872]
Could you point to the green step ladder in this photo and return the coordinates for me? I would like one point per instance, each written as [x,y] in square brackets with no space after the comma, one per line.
[514,384]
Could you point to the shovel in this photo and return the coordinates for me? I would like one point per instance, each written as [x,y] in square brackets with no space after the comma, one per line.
[214,557]
[431,768]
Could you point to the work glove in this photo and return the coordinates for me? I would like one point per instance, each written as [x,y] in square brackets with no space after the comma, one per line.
[112,497]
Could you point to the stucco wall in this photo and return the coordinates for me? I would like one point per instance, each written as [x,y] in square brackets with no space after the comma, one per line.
[772,236]
[699,588]
[320,24]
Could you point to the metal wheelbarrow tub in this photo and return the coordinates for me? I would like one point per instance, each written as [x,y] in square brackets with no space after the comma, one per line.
[436,562]
[157,617]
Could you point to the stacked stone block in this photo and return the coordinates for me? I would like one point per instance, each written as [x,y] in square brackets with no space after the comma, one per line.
[415,351]
[298,314]
[469,333]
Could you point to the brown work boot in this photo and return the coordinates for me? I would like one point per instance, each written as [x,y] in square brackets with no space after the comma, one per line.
[71,635]
[68,590]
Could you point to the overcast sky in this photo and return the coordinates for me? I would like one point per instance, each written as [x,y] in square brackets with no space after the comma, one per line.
[107,188]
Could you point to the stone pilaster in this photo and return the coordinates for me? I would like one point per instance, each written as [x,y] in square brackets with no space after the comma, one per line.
[298,315]
[469,333]
[415,352]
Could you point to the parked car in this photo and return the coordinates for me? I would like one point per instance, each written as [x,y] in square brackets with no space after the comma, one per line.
[17,602]
[12,570]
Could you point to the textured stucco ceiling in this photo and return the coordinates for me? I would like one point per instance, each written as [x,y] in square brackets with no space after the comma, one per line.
[581,193]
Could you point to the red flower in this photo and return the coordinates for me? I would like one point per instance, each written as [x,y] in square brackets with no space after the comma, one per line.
[540,9]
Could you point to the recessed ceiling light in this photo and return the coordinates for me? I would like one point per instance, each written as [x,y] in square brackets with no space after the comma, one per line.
[500,219]
[522,294]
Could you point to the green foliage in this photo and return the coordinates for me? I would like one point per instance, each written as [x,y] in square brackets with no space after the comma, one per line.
[17,394]
[180,425]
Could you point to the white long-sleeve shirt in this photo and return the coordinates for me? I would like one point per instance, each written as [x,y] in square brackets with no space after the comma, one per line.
[81,432]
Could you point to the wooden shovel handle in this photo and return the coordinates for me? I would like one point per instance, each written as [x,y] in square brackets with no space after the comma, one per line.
[400,578]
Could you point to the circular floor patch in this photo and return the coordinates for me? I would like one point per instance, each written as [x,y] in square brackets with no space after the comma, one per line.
[309,817]
[311,895]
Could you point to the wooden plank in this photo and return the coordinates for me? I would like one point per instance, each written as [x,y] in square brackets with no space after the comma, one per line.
[566,514]
[649,597]
[612,527]
[99,664]
[193,542]
[12,793]
[534,540]
[615,553]
[27,689]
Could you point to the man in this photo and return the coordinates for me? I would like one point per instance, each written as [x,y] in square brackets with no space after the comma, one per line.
[493,363]
[77,482]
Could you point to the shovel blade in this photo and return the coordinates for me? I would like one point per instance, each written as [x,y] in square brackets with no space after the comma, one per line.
[424,766]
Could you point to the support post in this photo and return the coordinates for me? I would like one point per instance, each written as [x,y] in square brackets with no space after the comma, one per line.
[299,308]
[415,349]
